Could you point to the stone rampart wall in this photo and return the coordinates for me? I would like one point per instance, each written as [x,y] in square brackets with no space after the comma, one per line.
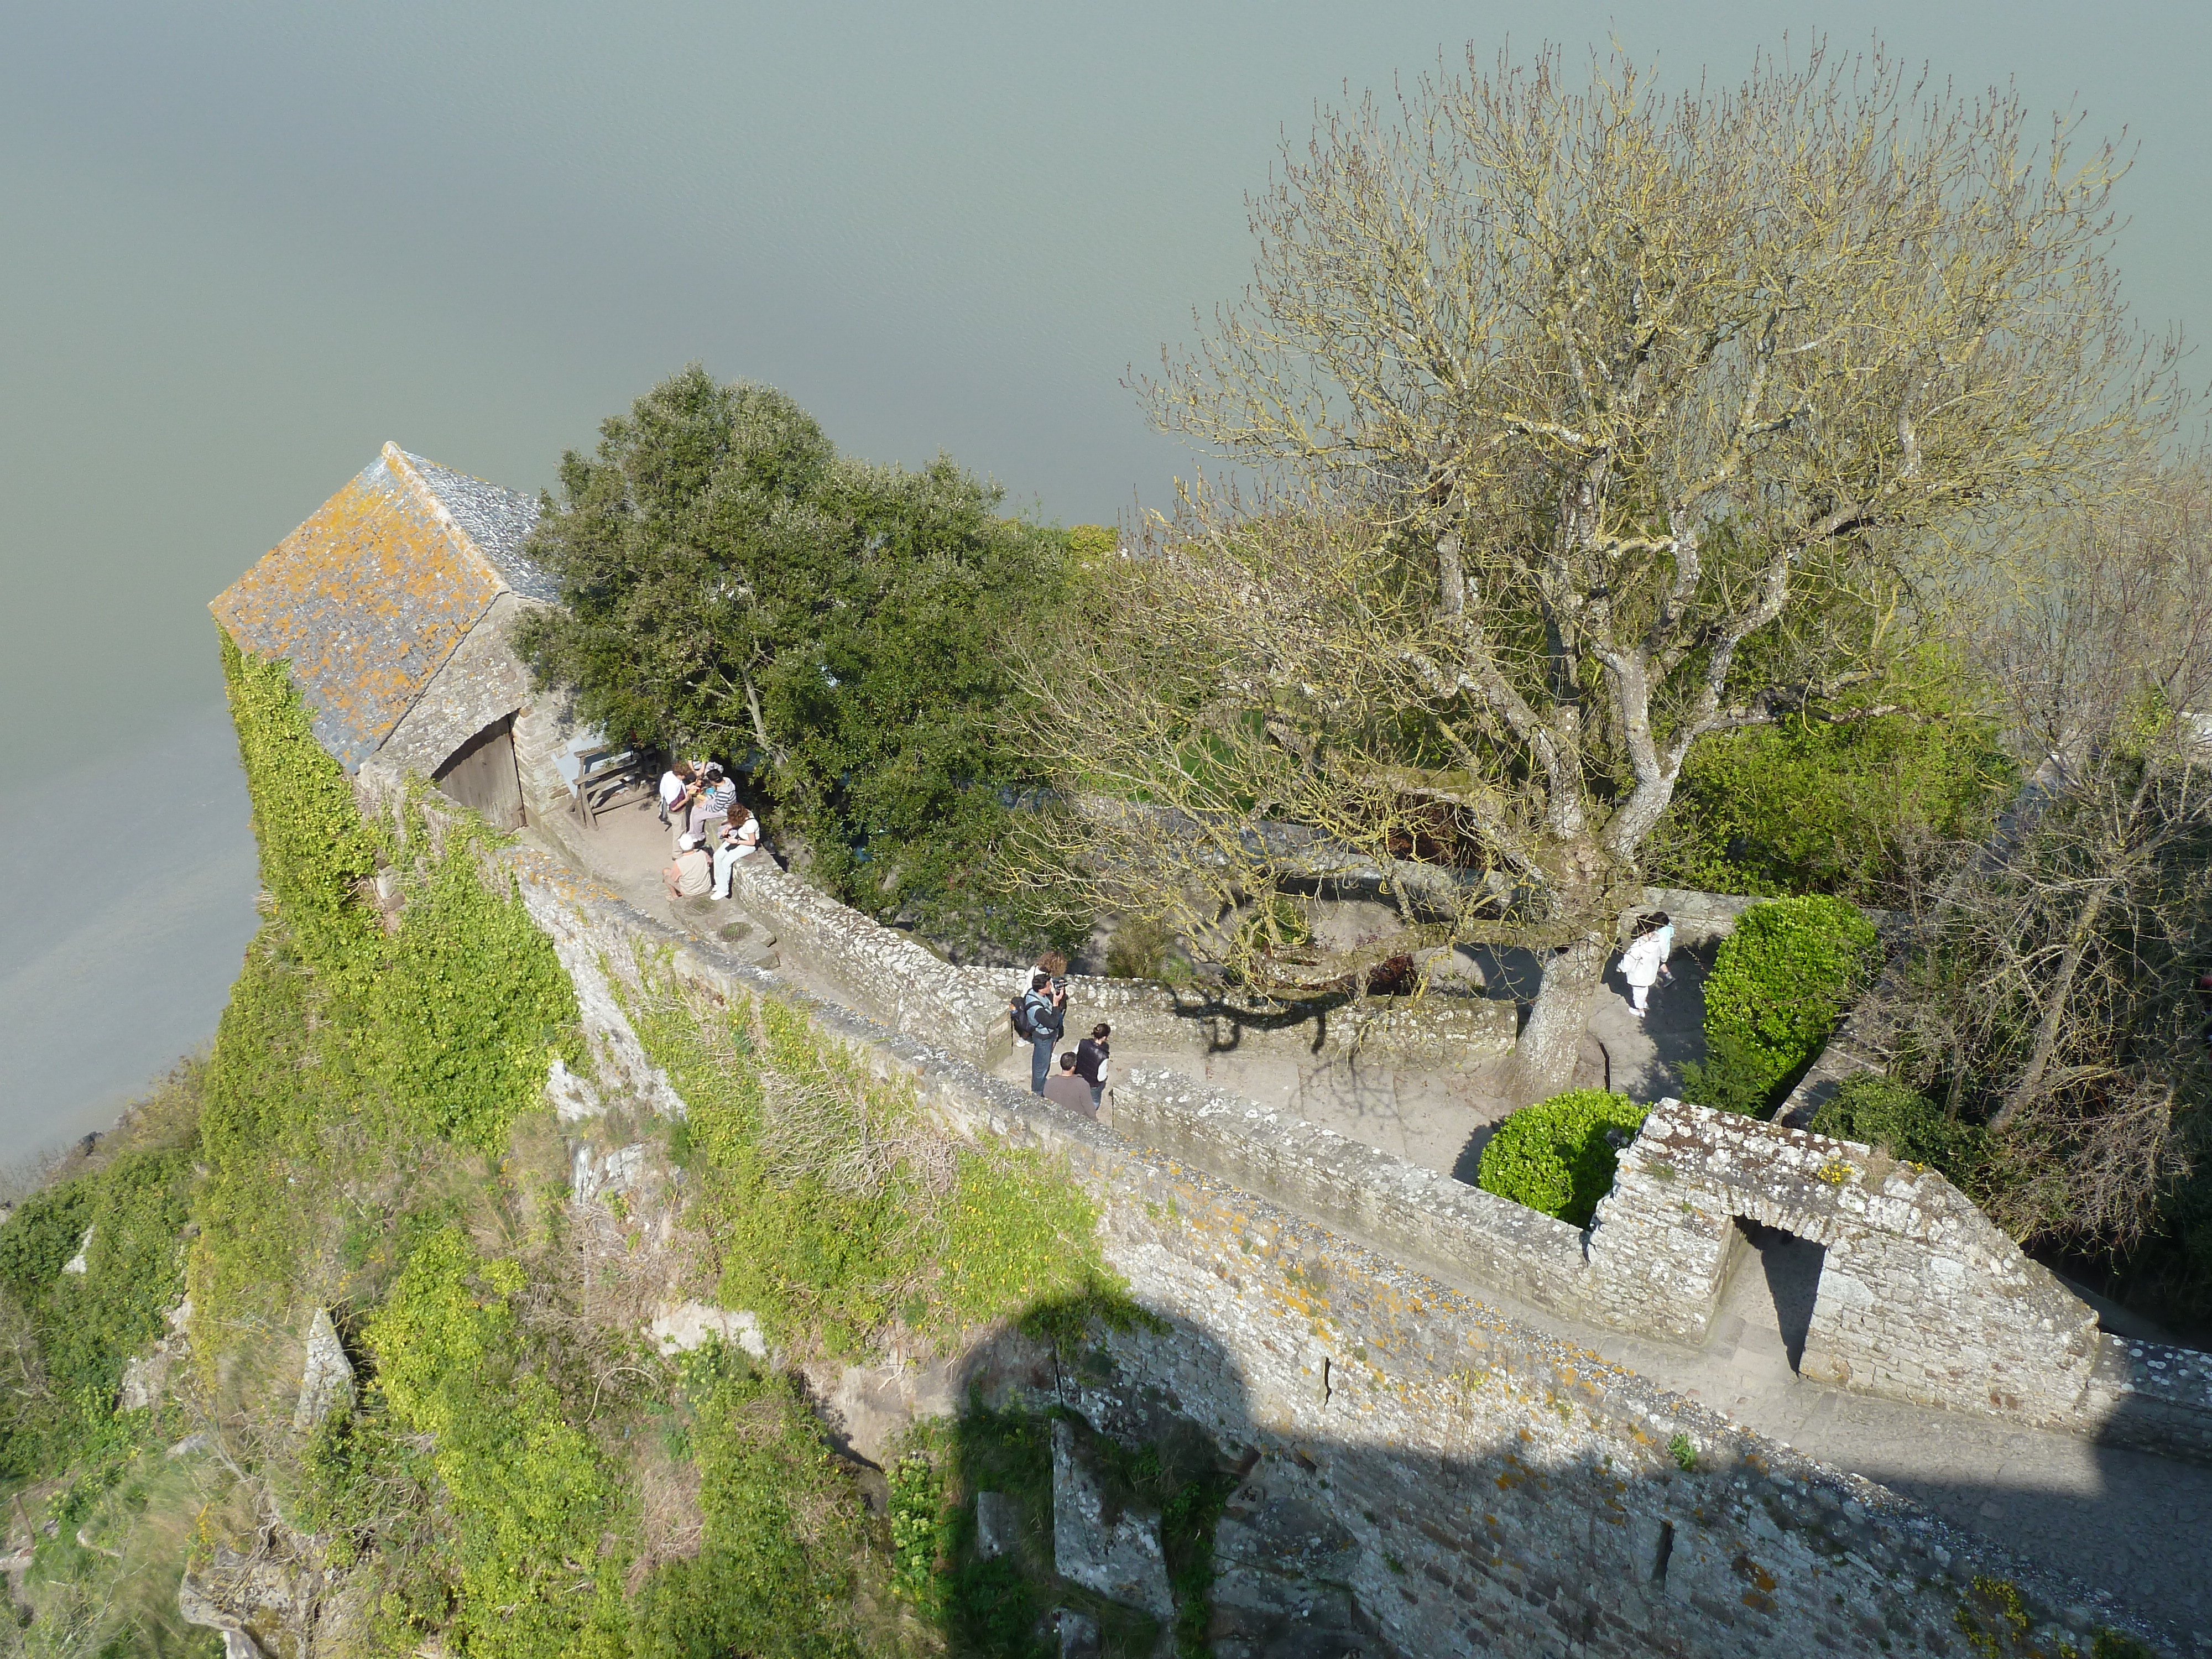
[1504,1492]
[1922,1299]
[1163,1019]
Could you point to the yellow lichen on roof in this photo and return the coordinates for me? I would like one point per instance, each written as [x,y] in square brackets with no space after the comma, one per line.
[366,599]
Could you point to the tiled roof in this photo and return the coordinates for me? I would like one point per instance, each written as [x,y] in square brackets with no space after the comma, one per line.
[499,521]
[369,598]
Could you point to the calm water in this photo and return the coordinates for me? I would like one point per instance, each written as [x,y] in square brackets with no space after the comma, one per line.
[240,247]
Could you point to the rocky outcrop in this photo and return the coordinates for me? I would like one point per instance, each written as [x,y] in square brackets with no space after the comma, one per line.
[1108,1548]
[326,1382]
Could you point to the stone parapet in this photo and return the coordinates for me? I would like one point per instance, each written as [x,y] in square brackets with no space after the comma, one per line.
[1153,1018]
[1458,1232]
[2151,1397]
[1502,1490]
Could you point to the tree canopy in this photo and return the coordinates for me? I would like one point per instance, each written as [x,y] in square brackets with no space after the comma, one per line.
[735,586]
[1578,424]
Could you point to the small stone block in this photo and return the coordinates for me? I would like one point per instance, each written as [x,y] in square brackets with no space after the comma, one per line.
[996,1517]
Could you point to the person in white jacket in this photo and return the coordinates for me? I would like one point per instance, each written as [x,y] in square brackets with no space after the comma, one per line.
[1645,961]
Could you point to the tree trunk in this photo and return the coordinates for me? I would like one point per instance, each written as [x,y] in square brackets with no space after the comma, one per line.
[1544,1059]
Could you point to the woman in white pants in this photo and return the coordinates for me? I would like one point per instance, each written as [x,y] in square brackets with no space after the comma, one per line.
[1645,959]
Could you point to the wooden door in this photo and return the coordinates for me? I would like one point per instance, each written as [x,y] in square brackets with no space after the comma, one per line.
[482,774]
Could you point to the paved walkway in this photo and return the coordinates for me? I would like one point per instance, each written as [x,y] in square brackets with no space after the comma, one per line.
[2121,1523]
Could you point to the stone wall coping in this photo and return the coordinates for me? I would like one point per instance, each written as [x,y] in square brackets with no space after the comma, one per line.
[1454,1336]
[1823,1183]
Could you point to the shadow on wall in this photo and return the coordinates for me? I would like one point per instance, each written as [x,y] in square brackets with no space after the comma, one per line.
[1142,1479]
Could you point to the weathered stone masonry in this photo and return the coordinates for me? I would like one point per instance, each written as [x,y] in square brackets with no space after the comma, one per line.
[1507,1492]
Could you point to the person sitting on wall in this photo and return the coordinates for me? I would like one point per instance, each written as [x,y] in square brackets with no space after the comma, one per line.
[687,799]
[692,873]
[1067,1087]
[1091,1062]
[739,839]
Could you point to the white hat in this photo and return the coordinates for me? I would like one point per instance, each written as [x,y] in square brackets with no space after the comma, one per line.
[687,842]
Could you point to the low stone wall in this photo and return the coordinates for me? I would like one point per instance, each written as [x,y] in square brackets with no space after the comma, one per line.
[1921,1296]
[1149,1018]
[876,970]
[1502,1490]
[1461,1233]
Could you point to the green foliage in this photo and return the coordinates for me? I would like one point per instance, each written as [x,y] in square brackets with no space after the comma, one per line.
[774,1576]
[72,1332]
[834,1212]
[529,1498]
[1902,1122]
[315,851]
[1558,1155]
[470,1008]
[1779,982]
[1817,806]
[735,586]
[1684,1451]
[920,1532]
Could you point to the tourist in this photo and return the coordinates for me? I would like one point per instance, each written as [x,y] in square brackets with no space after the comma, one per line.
[1645,958]
[1067,1087]
[1090,1061]
[1040,1015]
[716,796]
[739,839]
[687,797]
[692,873]
[673,783]
[1051,964]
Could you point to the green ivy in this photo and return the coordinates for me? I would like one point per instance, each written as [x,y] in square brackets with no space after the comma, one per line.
[315,851]
[1558,1155]
[820,1234]
[530,1500]
[471,1006]
[1779,983]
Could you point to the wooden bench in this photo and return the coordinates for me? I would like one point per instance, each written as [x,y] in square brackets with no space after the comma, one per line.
[611,777]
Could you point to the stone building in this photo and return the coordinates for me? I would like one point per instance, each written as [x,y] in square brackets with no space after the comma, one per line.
[392,604]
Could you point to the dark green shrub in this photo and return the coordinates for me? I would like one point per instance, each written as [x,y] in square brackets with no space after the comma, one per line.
[1903,1122]
[1827,806]
[1557,1156]
[1779,982]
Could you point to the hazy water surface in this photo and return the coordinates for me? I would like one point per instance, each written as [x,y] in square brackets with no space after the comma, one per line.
[240,247]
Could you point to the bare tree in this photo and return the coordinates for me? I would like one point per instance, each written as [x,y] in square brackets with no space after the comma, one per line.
[2054,1000]
[1585,423]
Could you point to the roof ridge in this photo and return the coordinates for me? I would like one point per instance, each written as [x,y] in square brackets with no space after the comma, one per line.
[402,466]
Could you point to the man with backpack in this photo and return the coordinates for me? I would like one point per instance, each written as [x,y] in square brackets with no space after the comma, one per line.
[1040,1015]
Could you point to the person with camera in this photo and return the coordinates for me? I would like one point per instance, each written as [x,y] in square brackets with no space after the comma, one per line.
[1040,1016]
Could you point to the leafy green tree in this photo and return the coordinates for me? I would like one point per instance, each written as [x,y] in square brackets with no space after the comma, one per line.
[735,586]
[1827,806]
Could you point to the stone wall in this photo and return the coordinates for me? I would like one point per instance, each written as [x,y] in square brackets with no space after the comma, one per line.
[480,682]
[892,976]
[1499,1490]
[1921,1296]
[1922,1299]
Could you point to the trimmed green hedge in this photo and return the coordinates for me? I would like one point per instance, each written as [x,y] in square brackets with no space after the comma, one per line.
[1779,983]
[1558,1155]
